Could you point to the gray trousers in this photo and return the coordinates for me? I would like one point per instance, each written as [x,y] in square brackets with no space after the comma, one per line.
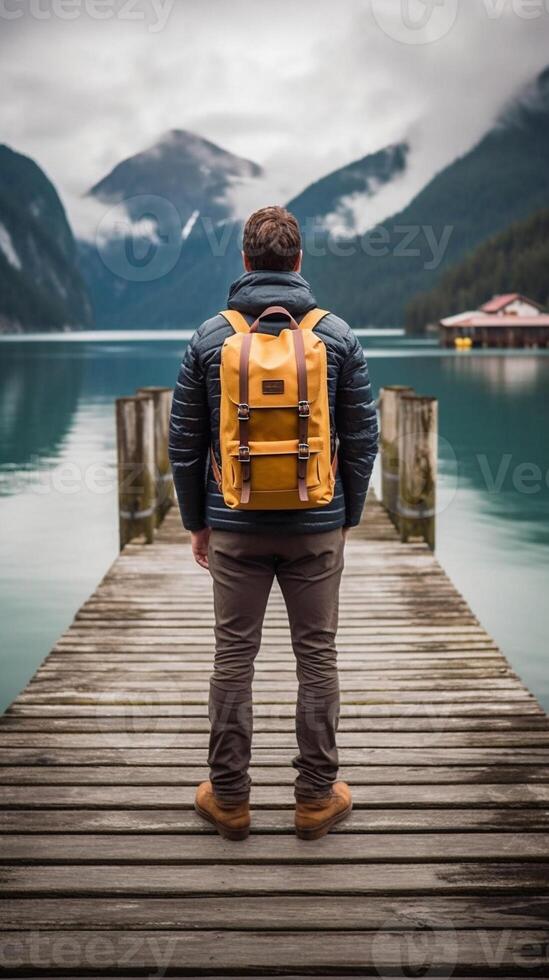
[308,568]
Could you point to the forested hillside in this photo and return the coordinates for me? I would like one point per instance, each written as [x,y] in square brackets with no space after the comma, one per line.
[503,179]
[517,260]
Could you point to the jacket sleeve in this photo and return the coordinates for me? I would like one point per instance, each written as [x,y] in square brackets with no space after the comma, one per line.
[356,425]
[189,438]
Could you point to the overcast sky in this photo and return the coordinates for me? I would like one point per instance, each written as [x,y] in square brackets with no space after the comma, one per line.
[300,87]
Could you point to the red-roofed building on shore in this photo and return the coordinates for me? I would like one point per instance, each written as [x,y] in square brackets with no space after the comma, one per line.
[509,320]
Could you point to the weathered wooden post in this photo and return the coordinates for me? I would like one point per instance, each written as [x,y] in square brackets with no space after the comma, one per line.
[417,438]
[165,493]
[136,467]
[389,400]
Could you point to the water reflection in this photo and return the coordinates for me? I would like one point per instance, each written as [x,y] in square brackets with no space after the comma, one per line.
[494,412]
[38,398]
[518,372]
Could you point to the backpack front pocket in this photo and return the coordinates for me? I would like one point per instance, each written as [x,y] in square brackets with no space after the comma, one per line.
[274,464]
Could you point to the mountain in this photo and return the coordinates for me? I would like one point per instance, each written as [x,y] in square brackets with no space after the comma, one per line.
[503,179]
[181,196]
[339,201]
[184,251]
[186,170]
[516,260]
[40,285]
[200,181]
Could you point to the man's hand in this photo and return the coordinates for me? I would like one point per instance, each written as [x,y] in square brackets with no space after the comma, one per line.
[199,545]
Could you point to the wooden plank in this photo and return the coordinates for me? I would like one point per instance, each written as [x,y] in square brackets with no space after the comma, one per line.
[237,879]
[462,795]
[135,730]
[267,974]
[282,679]
[275,913]
[159,707]
[377,759]
[200,670]
[363,648]
[378,950]
[284,690]
[185,821]
[272,775]
[271,849]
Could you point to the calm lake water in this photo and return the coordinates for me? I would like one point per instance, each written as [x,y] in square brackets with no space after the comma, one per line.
[58,482]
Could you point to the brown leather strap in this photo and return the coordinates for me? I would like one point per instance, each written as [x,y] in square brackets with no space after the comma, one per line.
[270,311]
[216,471]
[244,419]
[303,410]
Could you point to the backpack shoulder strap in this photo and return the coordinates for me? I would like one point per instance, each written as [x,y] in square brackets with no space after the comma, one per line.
[236,320]
[240,325]
[312,318]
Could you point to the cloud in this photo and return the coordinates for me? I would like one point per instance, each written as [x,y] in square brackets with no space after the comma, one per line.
[300,88]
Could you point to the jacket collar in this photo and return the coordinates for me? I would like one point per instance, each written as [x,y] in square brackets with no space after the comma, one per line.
[253,292]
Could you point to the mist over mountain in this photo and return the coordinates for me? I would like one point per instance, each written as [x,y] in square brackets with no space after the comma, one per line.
[339,202]
[40,285]
[503,179]
[181,197]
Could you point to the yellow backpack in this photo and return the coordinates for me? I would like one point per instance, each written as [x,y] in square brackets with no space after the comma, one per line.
[274,426]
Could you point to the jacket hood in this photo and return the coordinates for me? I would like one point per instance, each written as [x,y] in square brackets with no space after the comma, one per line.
[253,292]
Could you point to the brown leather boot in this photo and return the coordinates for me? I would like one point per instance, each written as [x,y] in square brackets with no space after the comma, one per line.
[231,820]
[317,817]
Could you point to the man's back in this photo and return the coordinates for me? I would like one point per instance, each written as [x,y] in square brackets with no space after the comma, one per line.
[246,549]
[195,417]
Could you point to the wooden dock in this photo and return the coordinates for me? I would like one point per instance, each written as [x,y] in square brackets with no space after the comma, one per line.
[442,870]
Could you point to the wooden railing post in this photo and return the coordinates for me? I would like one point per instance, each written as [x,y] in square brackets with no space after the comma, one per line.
[417,438]
[389,400]
[136,467]
[165,493]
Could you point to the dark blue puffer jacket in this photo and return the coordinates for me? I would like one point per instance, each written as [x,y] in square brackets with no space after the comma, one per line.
[194,424]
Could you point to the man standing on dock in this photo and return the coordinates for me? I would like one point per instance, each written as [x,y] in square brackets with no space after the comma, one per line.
[244,548]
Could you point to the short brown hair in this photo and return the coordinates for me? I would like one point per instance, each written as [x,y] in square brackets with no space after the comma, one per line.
[272,239]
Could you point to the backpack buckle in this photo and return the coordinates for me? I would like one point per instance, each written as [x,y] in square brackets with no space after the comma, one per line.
[303,409]
[303,451]
[244,454]
[243,412]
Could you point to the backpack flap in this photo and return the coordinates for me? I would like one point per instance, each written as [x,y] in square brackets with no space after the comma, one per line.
[274,416]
